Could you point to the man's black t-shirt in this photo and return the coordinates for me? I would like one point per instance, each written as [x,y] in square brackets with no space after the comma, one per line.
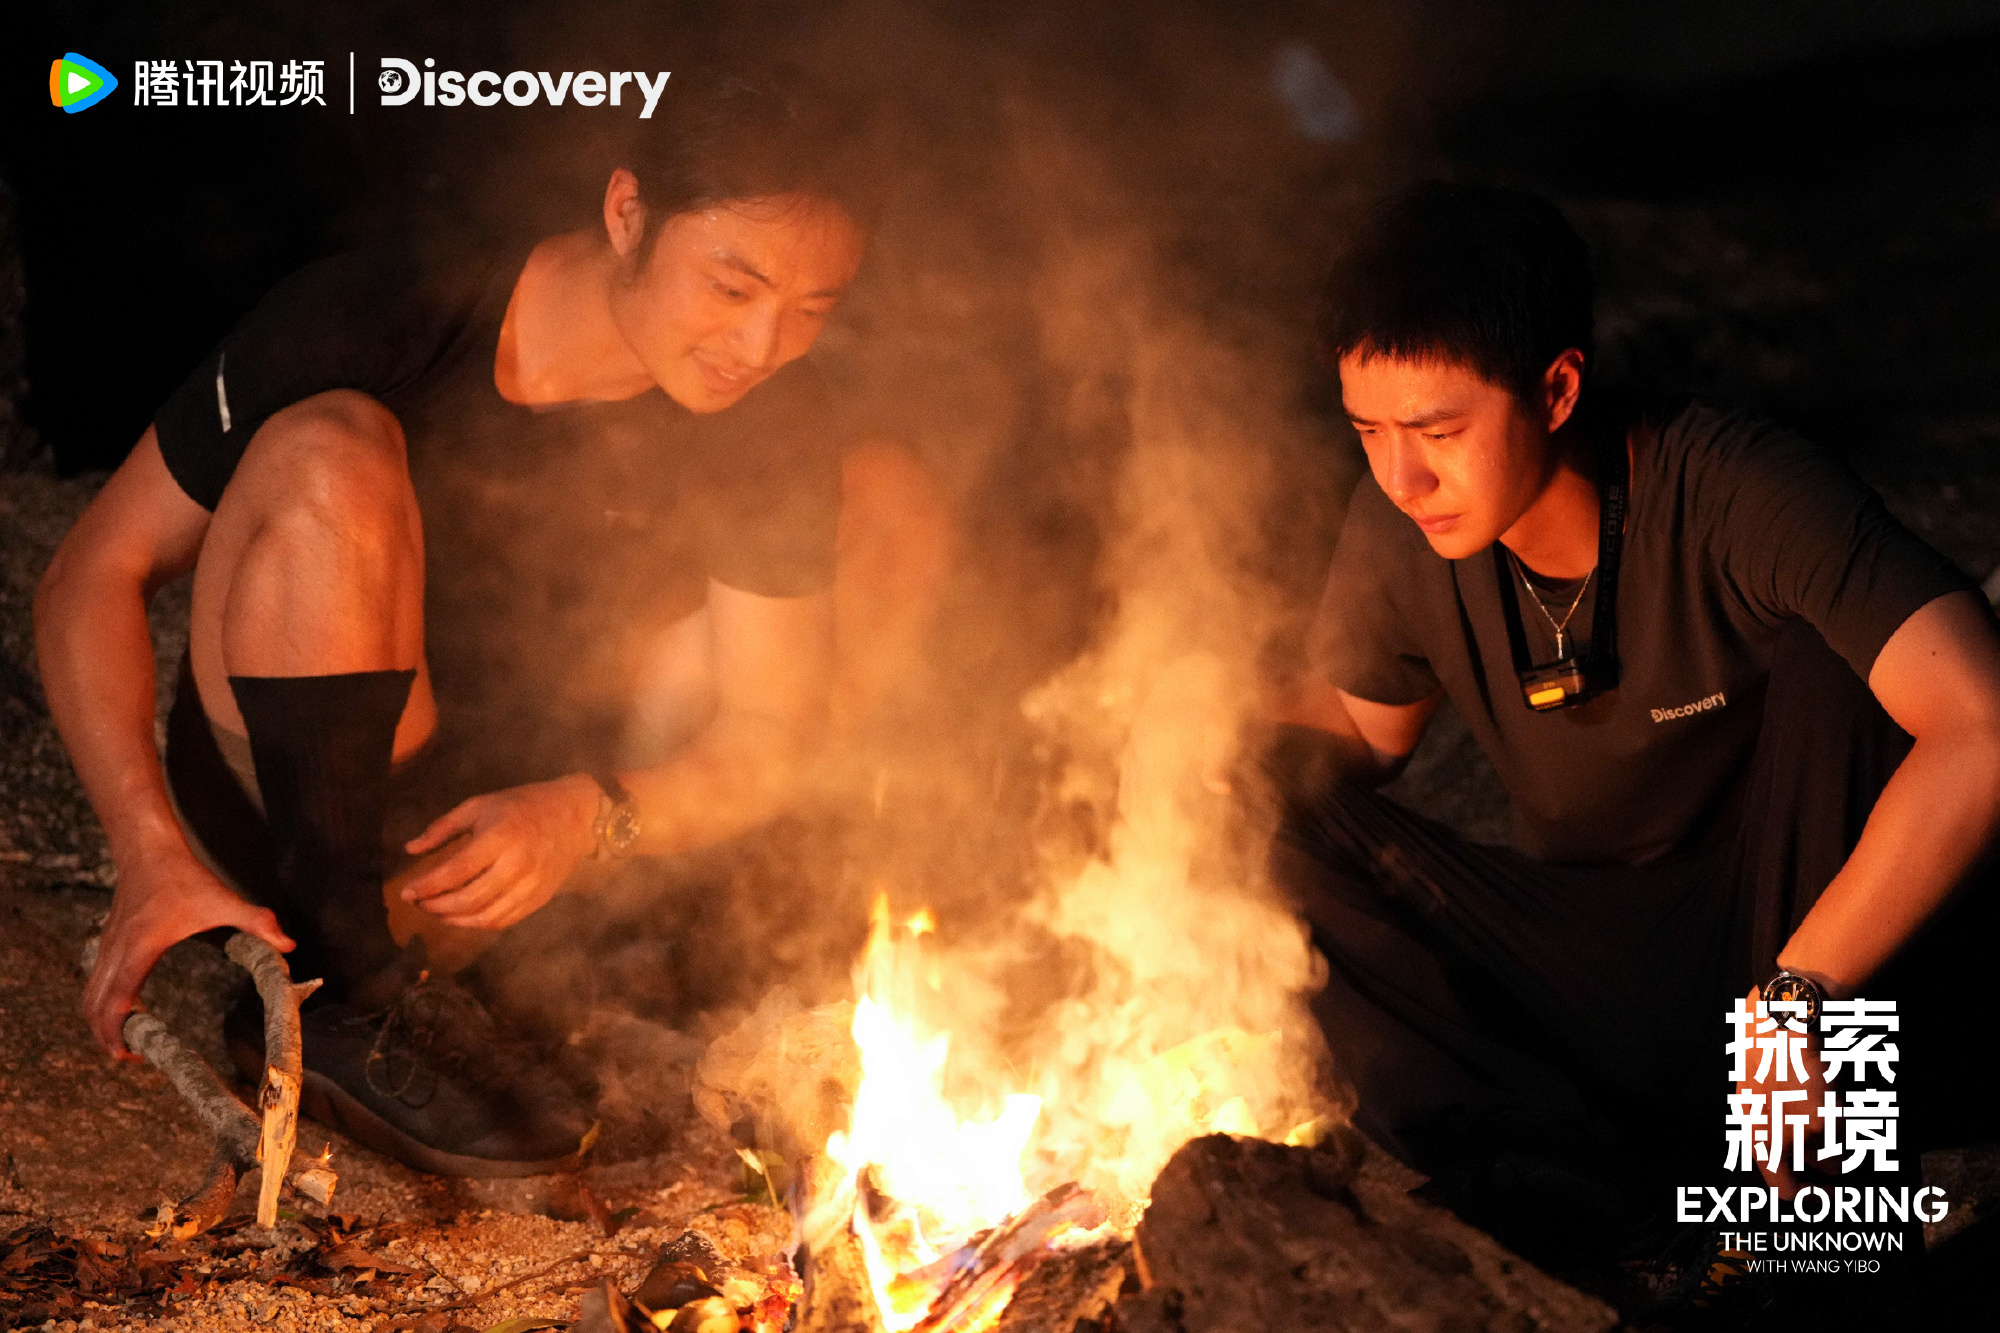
[555,538]
[1735,528]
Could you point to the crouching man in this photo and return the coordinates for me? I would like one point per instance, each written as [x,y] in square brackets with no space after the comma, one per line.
[1748,725]
[449,511]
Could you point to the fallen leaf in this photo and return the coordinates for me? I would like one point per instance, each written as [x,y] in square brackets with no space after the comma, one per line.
[524,1323]
[594,1208]
[353,1256]
[95,1275]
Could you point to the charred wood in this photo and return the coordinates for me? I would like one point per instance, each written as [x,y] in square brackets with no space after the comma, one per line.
[1008,1254]
[1070,1288]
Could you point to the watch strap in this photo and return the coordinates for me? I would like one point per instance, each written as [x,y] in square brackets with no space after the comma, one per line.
[609,784]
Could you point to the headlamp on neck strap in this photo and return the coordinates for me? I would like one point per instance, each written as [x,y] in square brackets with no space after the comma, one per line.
[1557,685]
[1574,678]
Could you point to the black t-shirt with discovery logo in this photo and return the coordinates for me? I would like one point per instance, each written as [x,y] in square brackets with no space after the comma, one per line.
[556,539]
[1736,528]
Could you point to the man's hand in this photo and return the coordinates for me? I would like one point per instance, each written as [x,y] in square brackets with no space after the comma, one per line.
[155,909]
[519,846]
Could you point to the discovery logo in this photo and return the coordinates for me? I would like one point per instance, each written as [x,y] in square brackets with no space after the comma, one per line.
[1716,700]
[78,83]
[402,82]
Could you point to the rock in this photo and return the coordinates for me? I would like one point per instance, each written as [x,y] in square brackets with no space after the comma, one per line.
[1244,1234]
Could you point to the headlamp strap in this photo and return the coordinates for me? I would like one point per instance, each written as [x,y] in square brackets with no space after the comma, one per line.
[1600,664]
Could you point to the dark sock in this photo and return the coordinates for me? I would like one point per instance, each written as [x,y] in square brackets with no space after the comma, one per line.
[322,747]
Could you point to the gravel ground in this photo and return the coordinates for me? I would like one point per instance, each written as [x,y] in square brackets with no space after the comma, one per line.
[91,1149]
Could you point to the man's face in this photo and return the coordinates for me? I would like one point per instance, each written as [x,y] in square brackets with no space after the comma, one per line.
[1457,453]
[731,293]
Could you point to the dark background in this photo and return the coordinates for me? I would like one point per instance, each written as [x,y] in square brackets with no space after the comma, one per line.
[1793,207]
[1859,139]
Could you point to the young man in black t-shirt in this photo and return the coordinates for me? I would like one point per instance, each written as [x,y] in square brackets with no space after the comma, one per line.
[1749,728]
[448,511]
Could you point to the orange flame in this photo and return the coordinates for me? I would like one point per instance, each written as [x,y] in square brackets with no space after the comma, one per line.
[919,1181]
[922,1180]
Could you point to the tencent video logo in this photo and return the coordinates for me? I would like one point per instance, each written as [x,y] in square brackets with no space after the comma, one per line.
[77,83]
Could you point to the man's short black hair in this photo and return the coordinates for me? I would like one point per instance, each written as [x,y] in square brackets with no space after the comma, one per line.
[731,133]
[1489,277]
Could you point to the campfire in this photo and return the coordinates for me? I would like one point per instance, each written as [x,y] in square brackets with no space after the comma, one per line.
[959,1194]
[949,1209]
[938,1205]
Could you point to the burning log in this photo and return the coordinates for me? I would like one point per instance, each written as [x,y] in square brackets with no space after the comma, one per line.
[1051,1252]
[242,1140]
[985,1282]
[838,1297]
[1069,1288]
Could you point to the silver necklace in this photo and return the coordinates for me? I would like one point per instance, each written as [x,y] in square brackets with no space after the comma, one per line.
[1557,625]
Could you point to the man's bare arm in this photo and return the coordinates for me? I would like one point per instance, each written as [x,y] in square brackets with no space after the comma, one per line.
[773,661]
[1939,679]
[96,658]
[1350,739]
[773,666]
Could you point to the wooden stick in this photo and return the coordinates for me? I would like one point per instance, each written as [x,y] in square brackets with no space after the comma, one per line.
[242,1140]
[209,1203]
[284,1068]
[236,1130]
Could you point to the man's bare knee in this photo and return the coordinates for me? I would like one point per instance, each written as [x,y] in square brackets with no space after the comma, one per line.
[341,449]
[314,561]
[321,499]
[334,461]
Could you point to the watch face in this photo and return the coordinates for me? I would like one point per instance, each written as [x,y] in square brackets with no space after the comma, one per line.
[622,829]
[1795,988]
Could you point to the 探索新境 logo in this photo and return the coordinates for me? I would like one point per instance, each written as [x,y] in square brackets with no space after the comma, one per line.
[77,83]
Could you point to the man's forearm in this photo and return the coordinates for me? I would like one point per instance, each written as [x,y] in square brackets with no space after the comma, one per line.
[95,651]
[1305,760]
[1314,735]
[1936,817]
[734,776]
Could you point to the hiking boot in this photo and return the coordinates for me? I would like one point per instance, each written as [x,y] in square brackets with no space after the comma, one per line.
[432,1080]
[1705,1286]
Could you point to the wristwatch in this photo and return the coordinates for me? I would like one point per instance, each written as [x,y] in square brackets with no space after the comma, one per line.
[617,826]
[1791,986]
